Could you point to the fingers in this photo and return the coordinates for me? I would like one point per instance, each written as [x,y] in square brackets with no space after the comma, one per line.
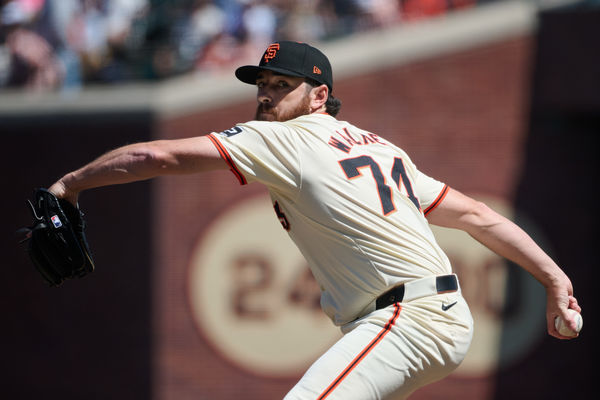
[552,331]
[569,318]
[559,302]
[574,305]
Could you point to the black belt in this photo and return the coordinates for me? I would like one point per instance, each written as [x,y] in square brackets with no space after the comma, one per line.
[418,288]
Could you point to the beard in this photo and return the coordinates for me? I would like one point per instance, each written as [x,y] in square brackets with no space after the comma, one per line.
[266,112]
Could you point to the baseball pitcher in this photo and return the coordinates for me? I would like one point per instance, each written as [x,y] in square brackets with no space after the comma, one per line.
[359,210]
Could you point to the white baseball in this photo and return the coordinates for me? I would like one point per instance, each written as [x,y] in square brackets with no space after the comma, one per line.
[562,327]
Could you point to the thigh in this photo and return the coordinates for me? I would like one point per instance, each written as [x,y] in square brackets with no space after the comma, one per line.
[392,351]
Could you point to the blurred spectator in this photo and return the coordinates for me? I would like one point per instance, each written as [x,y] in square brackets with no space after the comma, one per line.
[29,58]
[98,31]
[54,23]
[259,22]
[380,13]
[31,7]
[48,44]
[220,54]
[233,10]
[418,9]
[204,22]
[305,20]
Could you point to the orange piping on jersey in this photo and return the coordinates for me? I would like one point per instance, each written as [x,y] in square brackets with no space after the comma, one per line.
[437,201]
[225,156]
[363,353]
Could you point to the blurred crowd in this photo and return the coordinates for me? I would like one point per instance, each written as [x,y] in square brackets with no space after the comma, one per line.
[64,44]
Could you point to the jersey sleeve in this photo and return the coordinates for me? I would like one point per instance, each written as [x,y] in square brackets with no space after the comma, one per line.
[430,191]
[264,152]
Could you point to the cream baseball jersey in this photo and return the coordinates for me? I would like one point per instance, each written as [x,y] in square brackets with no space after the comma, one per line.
[353,203]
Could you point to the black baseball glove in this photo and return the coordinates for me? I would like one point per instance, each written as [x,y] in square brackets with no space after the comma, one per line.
[56,241]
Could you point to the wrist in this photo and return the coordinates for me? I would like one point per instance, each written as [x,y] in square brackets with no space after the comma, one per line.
[557,280]
[62,190]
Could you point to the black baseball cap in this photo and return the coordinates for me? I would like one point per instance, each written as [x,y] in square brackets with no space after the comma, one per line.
[293,59]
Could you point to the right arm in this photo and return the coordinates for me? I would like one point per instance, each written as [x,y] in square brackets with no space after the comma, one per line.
[508,240]
[141,161]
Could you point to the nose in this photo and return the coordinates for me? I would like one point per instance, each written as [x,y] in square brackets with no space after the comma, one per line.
[263,96]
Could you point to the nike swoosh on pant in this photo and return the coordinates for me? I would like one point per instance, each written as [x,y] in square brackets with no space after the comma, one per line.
[446,307]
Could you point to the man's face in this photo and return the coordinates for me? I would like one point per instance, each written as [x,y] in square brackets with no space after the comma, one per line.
[281,97]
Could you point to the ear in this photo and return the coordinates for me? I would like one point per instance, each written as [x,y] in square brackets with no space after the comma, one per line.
[318,97]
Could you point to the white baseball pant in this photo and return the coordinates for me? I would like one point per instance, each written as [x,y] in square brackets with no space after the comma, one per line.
[391,352]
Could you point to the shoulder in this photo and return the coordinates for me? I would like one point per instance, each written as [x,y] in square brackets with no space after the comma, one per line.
[311,122]
[316,122]
[314,118]
[252,128]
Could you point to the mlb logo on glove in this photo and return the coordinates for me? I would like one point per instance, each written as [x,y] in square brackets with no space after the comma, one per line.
[56,221]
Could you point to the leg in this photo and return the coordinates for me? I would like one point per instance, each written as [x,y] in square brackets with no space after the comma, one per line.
[393,351]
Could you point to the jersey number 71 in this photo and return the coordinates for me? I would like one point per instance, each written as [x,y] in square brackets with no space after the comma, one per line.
[351,167]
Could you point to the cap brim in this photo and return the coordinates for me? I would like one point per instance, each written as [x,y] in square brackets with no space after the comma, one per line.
[248,73]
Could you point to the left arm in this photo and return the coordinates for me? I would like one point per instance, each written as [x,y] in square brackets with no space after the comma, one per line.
[508,240]
[141,161]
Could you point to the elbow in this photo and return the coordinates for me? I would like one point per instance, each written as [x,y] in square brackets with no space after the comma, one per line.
[479,209]
[480,217]
[147,159]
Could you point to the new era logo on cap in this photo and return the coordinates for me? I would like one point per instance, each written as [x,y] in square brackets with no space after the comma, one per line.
[293,59]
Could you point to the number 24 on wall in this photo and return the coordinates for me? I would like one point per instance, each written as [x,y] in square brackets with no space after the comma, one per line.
[351,168]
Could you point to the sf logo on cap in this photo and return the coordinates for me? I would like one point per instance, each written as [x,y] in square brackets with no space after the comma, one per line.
[271,51]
